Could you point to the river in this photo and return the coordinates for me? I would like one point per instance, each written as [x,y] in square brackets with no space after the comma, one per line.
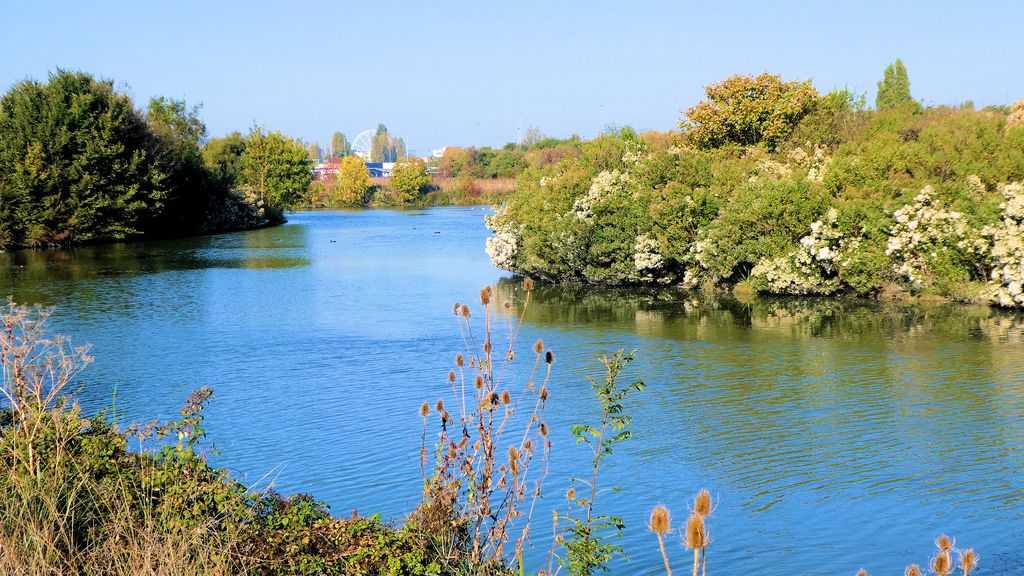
[834,434]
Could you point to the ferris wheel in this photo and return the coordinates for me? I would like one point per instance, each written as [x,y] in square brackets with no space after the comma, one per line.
[362,143]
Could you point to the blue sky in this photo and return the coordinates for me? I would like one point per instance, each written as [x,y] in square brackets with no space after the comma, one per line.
[475,73]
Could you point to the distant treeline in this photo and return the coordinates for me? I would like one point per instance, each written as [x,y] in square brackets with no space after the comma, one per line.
[79,162]
[773,187]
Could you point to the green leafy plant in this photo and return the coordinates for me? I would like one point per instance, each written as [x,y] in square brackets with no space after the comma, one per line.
[586,534]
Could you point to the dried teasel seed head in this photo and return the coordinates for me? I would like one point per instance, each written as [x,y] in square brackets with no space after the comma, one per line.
[538,346]
[544,393]
[451,375]
[445,417]
[508,305]
[696,534]
[570,494]
[440,406]
[528,445]
[513,454]
[702,502]
[528,284]
[510,356]
[862,572]
[457,308]
[942,564]
[506,398]
[968,561]
[485,295]
[912,570]
[476,446]
[660,521]
[944,543]
[543,429]
[478,382]
[472,362]
[425,410]
[459,360]
[464,310]
[463,442]
[487,347]
[549,357]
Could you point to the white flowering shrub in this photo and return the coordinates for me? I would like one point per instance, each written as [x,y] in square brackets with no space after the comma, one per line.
[927,235]
[646,256]
[501,246]
[811,269]
[1006,282]
[602,185]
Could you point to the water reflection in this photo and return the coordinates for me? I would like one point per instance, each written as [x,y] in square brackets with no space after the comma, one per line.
[836,433]
[856,428]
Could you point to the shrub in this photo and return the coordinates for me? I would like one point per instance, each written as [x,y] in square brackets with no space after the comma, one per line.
[409,177]
[748,110]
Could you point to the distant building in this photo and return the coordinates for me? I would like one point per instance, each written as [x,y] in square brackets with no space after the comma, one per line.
[323,171]
[438,152]
[326,170]
[380,169]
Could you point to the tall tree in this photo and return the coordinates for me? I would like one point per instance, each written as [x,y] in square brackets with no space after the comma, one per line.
[275,170]
[223,157]
[75,163]
[380,145]
[531,137]
[340,146]
[314,152]
[353,182]
[177,133]
[894,88]
[400,152]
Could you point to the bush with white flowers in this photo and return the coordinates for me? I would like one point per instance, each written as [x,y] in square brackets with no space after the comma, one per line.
[1006,282]
[811,269]
[602,185]
[925,232]
[501,247]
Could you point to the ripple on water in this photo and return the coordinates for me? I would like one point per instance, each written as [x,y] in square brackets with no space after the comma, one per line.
[834,434]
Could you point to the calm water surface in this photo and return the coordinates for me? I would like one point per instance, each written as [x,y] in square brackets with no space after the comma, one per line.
[834,434]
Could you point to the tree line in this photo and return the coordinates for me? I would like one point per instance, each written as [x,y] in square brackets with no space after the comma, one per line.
[80,163]
[769,186]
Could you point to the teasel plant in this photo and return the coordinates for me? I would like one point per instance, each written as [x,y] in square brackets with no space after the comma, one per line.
[492,447]
[941,563]
[661,523]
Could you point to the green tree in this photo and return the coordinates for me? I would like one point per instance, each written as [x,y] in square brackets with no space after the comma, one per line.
[353,181]
[314,152]
[400,152]
[223,157]
[894,88]
[748,110]
[380,146]
[75,163]
[340,146]
[176,133]
[275,170]
[409,177]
